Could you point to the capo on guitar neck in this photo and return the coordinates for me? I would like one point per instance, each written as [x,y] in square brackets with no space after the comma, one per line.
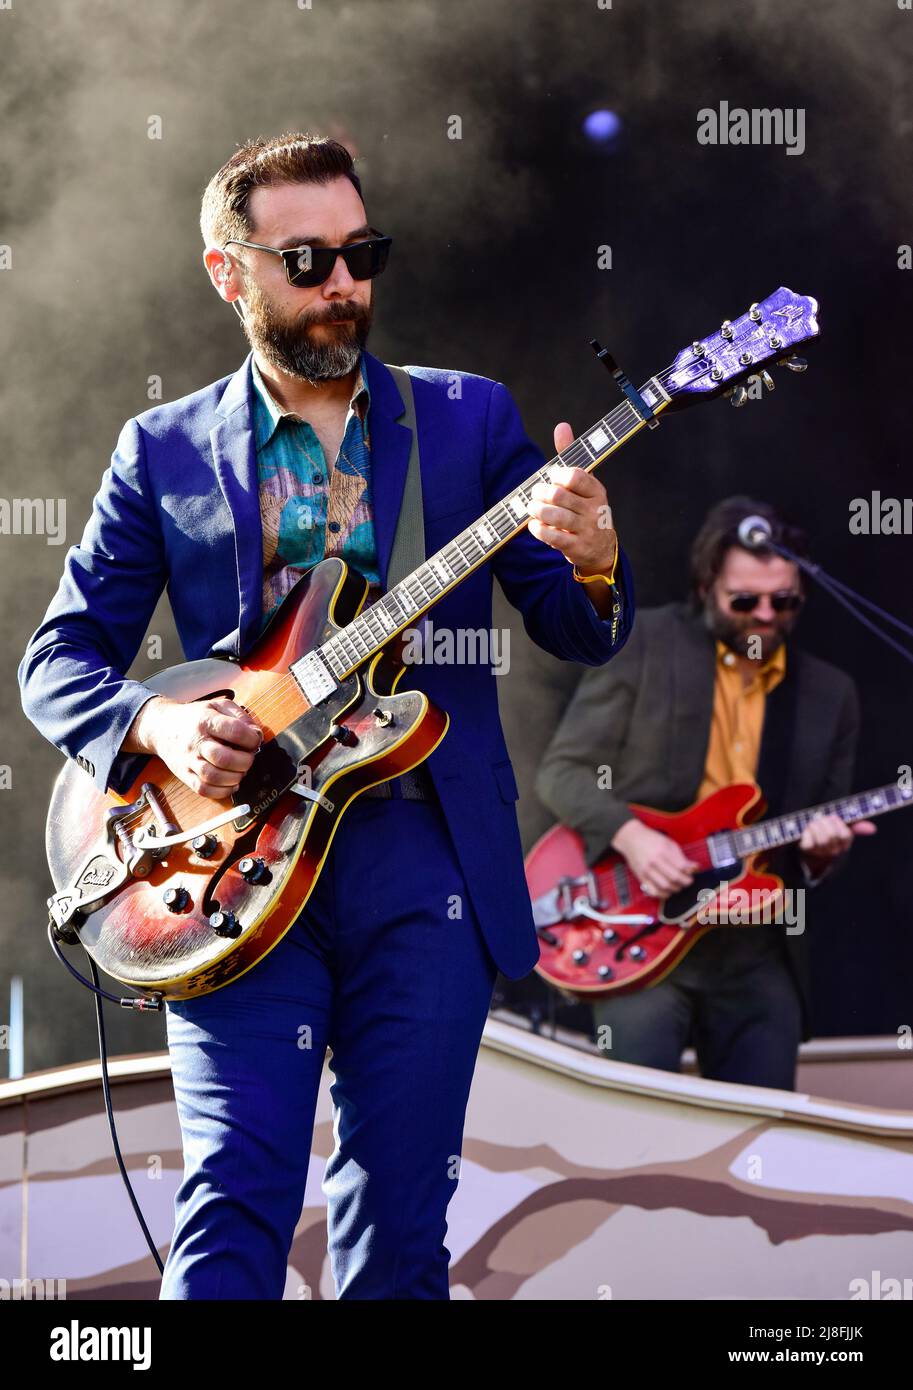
[624,385]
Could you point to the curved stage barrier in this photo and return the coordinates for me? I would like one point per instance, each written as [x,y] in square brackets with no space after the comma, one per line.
[581,1179]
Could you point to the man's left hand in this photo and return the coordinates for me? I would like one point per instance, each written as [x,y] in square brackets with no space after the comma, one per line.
[572,514]
[825,838]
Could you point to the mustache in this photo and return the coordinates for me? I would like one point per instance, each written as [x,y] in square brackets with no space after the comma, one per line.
[337,314]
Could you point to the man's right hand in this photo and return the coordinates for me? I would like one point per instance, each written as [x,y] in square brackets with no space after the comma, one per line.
[208,744]
[658,863]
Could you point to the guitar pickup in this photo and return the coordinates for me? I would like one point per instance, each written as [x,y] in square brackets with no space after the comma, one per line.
[313,676]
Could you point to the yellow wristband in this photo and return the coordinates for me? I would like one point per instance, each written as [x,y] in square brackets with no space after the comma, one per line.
[591,578]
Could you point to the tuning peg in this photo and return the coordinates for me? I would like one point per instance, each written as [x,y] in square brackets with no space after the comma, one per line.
[737,396]
[726,330]
[796,364]
[767,379]
[754,313]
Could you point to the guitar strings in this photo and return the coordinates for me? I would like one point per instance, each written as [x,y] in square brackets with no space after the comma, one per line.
[700,847]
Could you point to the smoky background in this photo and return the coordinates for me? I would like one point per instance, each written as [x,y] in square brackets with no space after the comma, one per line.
[494,270]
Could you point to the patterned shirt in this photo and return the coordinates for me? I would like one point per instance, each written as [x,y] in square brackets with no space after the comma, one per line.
[309,510]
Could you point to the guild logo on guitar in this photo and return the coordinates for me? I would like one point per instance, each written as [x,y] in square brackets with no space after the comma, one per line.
[98,874]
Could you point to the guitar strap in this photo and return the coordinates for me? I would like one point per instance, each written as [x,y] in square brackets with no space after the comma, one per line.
[408,549]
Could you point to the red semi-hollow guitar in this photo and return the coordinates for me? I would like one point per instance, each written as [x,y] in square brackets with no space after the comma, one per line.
[176,894]
[599,934]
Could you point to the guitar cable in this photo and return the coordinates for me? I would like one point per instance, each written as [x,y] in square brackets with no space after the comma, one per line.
[141,1004]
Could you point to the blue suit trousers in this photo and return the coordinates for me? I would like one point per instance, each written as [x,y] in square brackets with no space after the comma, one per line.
[387,966]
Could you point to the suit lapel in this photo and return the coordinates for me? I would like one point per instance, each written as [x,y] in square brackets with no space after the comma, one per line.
[776,759]
[693,663]
[235,459]
[390,444]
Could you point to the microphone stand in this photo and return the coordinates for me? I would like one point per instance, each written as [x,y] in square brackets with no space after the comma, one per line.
[843,593]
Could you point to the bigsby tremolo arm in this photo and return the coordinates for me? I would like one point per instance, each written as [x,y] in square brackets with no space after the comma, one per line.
[147,838]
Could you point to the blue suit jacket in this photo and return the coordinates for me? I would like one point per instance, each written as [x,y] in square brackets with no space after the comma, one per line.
[179,506]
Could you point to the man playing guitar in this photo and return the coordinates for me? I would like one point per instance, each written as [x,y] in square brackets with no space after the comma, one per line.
[227,497]
[706,695]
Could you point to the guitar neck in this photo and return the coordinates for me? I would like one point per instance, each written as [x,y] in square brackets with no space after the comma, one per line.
[443,571]
[787,830]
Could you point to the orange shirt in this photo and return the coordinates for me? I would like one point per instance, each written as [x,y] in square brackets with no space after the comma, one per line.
[738,719]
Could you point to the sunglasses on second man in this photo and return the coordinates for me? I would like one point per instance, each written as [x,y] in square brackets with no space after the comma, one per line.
[308,266]
[786,601]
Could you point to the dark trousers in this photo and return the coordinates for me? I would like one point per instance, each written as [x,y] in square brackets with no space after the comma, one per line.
[388,967]
[733,998]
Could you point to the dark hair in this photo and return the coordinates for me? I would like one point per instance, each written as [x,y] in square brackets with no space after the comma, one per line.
[720,532]
[294,157]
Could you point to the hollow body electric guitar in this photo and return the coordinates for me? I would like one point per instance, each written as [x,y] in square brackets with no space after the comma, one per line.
[599,934]
[176,894]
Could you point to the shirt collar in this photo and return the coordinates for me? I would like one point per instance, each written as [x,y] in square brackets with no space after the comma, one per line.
[268,412]
[770,672]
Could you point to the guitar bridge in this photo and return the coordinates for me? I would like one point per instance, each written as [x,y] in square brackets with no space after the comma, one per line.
[569,900]
[562,904]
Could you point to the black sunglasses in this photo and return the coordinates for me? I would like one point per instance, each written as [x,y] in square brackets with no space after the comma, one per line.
[307,266]
[786,602]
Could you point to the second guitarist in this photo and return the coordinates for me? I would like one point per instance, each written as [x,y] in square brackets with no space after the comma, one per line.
[703,695]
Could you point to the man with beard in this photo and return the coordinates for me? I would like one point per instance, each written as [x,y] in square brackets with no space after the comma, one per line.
[705,695]
[228,496]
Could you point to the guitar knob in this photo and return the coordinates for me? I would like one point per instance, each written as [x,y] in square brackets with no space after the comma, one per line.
[343,735]
[204,846]
[579,957]
[225,924]
[254,870]
[175,899]
[738,396]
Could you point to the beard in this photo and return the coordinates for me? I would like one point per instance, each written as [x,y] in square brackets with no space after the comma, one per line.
[292,347]
[736,630]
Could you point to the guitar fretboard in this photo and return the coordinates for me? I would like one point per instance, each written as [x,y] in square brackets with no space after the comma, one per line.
[441,572]
[729,845]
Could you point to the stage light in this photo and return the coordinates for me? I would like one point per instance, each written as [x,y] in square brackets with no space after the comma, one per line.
[602,126]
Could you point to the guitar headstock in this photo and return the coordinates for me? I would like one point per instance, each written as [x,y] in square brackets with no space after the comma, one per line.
[769,331]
